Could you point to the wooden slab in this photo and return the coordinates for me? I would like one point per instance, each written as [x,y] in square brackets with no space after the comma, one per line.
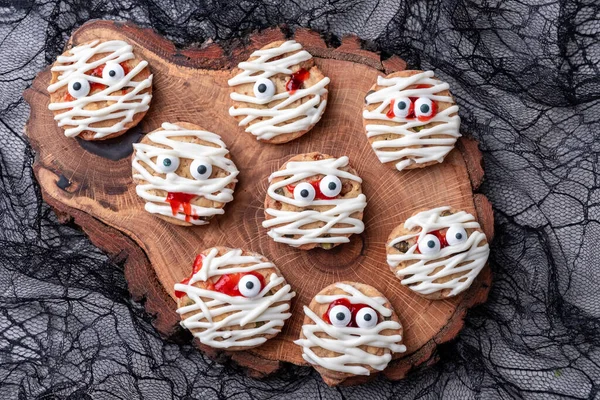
[91,184]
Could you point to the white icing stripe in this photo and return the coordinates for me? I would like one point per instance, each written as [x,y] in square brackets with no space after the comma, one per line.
[270,309]
[466,259]
[434,149]
[292,222]
[346,341]
[214,189]
[279,119]
[125,106]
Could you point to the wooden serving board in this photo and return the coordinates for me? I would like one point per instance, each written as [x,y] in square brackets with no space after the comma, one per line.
[91,184]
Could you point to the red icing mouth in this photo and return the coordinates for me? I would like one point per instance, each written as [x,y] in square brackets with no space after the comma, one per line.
[181,201]
[354,308]
[296,80]
[318,194]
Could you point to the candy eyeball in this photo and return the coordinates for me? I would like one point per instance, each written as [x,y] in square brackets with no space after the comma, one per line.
[113,72]
[79,88]
[340,316]
[304,192]
[456,234]
[423,107]
[249,286]
[330,186]
[402,107]
[366,318]
[430,244]
[201,169]
[264,88]
[167,163]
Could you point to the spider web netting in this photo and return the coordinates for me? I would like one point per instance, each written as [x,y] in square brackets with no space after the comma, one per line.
[526,75]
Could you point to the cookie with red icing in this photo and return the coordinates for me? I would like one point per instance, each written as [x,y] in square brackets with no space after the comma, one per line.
[233,299]
[349,329]
[279,93]
[314,200]
[99,90]
[411,119]
[438,253]
[183,173]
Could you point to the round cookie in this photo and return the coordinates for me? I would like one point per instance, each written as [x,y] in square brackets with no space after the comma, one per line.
[314,200]
[99,89]
[279,93]
[234,299]
[411,119]
[349,329]
[183,173]
[438,253]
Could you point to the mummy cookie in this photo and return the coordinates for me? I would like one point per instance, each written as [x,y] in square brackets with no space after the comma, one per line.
[234,299]
[411,119]
[183,173]
[99,89]
[278,94]
[314,200]
[438,253]
[349,329]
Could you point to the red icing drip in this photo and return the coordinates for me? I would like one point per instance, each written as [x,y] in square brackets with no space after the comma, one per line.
[197,267]
[318,194]
[441,237]
[96,71]
[354,308]
[411,112]
[179,294]
[296,80]
[424,118]
[178,201]
[228,284]
[96,85]
[390,114]
[99,69]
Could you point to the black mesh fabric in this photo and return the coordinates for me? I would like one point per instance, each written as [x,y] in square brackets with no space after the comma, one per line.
[526,75]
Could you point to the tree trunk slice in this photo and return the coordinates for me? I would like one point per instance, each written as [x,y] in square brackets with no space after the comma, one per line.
[91,184]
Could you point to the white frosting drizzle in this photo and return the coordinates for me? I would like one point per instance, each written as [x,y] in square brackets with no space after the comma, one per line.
[434,149]
[214,189]
[471,254]
[124,106]
[270,309]
[346,340]
[309,112]
[292,222]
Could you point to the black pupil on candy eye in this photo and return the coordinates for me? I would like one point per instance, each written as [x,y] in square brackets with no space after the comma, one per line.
[424,108]
[249,285]
[202,169]
[340,316]
[76,86]
[167,162]
[368,317]
[262,88]
[304,193]
[112,73]
[332,186]
[459,236]
[401,105]
[431,244]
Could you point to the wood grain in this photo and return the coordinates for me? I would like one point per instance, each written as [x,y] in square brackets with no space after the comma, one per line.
[97,192]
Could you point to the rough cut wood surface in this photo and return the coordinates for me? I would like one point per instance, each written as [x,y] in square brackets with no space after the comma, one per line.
[92,184]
